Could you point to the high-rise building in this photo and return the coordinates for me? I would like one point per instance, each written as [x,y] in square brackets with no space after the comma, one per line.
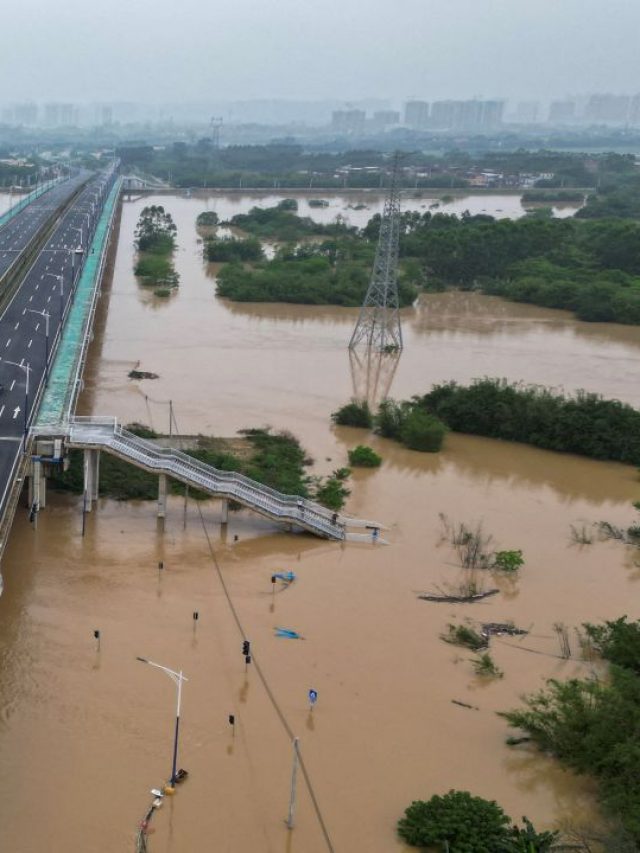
[634,111]
[562,112]
[608,109]
[348,121]
[527,112]
[443,114]
[416,114]
[382,119]
[492,112]
[26,113]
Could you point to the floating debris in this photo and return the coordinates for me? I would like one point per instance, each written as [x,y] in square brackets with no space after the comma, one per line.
[465,705]
[497,629]
[142,374]
[459,599]
[288,634]
[285,577]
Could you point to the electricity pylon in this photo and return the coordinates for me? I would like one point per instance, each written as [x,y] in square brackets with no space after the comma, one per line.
[378,325]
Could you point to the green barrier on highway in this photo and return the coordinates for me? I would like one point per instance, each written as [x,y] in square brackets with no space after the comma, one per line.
[65,373]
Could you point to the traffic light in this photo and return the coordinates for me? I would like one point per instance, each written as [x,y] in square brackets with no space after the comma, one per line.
[246,648]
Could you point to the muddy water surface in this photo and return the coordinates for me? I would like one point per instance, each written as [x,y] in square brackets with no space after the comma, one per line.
[84,734]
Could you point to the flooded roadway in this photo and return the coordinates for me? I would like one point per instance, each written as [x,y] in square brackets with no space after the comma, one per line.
[84,735]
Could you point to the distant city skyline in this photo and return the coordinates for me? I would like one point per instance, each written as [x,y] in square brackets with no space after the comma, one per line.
[354,117]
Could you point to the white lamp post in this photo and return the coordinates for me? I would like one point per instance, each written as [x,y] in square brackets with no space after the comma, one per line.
[177,678]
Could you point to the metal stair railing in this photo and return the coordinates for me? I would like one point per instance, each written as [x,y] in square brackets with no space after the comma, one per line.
[108,434]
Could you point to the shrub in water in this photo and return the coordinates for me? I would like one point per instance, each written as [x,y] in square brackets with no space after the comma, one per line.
[364,457]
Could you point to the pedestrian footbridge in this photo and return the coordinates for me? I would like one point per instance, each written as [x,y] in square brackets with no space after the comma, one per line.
[95,435]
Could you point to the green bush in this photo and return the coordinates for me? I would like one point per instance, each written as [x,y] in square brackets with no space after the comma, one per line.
[618,642]
[422,431]
[364,457]
[467,824]
[231,250]
[508,561]
[207,218]
[332,492]
[390,419]
[355,414]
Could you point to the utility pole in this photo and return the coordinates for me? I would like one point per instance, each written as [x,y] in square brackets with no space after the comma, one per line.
[378,325]
[292,794]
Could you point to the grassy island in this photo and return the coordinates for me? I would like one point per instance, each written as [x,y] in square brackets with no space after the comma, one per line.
[330,273]
[283,224]
[155,240]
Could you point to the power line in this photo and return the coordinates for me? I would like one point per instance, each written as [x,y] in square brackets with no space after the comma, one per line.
[268,690]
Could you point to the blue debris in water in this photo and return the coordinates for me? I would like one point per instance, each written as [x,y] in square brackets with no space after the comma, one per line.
[288,634]
[285,577]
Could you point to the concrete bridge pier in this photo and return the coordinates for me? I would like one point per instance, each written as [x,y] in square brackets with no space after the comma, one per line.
[162,496]
[91,477]
[37,486]
[224,511]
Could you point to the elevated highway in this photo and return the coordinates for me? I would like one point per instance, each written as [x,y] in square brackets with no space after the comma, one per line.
[17,235]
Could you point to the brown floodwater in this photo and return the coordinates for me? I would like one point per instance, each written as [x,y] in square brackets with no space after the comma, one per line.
[85,734]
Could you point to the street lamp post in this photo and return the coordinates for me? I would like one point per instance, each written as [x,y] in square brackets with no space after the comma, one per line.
[177,678]
[27,369]
[60,282]
[46,316]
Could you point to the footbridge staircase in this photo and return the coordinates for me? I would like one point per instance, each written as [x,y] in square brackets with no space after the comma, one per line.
[95,434]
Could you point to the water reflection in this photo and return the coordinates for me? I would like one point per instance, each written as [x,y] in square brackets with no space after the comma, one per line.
[372,374]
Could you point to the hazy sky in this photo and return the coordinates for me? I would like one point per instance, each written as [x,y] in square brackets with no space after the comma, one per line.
[190,50]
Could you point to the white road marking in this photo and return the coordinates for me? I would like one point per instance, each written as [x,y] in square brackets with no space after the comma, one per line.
[1,410]
[8,342]
[12,385]
[29,344]
[16,325]
[16,412]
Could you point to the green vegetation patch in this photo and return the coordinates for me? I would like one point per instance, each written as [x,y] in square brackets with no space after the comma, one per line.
[329,274]
[593,726]
[207,219]
[155,240]
[586,424]
[233,250]
[283,224]
[356,414]
[461,823]
[589,267]
[364,457]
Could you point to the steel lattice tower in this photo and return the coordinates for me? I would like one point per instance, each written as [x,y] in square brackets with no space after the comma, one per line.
[378,325]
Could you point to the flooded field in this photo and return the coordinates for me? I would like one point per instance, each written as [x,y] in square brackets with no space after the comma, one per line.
[84,734]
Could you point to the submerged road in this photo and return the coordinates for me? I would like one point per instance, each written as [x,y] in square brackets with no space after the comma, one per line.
[31,324]
[18,233]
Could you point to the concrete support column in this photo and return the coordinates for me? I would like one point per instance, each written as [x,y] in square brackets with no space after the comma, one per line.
[89,470]
[43,490]
[35,481]
[95,477]
[224,511]
[162,496]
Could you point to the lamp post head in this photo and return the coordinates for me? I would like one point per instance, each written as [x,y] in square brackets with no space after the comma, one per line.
[142,660]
